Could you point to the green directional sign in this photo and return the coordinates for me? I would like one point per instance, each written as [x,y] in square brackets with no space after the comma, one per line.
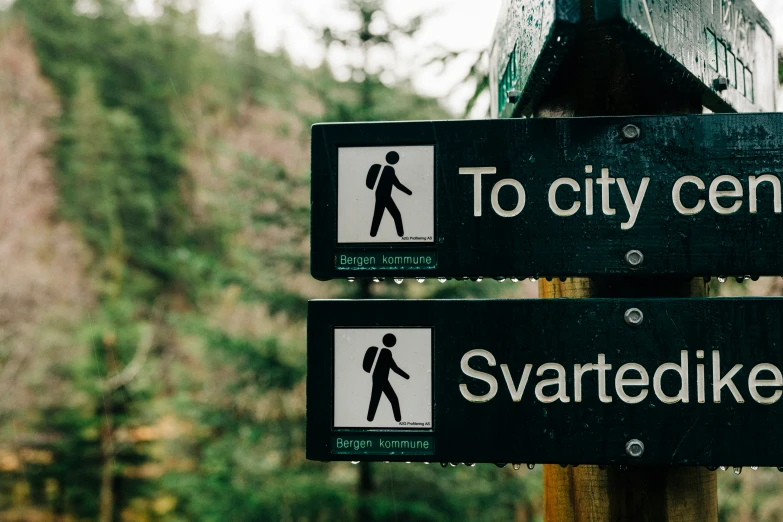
[726,46]
[609,381]
[673,195]
[722,49]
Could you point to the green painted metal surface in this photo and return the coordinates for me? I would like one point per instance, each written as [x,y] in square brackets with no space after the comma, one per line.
[695,380]
[696,195]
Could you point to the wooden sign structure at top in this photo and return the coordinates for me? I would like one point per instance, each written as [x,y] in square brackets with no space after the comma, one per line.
[670,195]
[722,49]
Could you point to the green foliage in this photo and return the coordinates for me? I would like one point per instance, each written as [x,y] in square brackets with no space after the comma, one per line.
[369,95]
[120,156]
[191,382]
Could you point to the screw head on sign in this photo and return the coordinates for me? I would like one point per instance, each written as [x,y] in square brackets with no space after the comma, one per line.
[631,132]
[634,258]
[513,96]
[721,83]
[633,317]
[634,448]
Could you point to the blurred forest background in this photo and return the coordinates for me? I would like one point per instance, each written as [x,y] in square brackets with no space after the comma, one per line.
[154,202]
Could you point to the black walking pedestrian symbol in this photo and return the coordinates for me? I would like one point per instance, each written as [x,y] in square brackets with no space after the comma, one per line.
[383,193]
[380,376]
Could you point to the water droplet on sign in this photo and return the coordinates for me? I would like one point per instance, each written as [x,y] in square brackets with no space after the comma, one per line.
[500,279]
[754,468]
[500,464]
[531,466]
[419,279]
[534,279]
[354,462]
[737,470]
[351,279]
[517,466]
[444,464]
[442,279]
[721,279]
[453,464]
[398,280]
[723,468]
[514,280]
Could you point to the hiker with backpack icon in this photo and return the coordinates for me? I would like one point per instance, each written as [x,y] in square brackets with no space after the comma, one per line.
[383,192]
[383,362]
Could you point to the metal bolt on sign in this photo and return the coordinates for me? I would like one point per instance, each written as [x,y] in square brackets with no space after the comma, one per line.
[634,448]
[633,317]
[634,258]
[631,132]
[721,83]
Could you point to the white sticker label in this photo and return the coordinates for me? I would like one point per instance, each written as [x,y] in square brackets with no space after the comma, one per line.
[386,194]
[383,378]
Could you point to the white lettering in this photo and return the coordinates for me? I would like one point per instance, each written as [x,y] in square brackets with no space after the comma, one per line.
[477,172]
[754,182]
[682,369]
[516,391]
[682,209]
[754,382]
[481,376]
[719,382]
[580,370]
[589,196]
[605,180]
[633,206]
[500,211]
[735,192]
[558,381]
[620,382]
[553,197]
[601,368]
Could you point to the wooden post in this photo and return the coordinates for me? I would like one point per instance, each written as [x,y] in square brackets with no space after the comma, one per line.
[620,85]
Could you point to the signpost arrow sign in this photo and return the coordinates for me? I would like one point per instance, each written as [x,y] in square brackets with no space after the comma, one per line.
[672,195]
[621,381]
[725,47]
[722,49]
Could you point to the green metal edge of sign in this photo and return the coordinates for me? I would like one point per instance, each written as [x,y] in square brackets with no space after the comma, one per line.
[698,159]
[530,40]
[505,381]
